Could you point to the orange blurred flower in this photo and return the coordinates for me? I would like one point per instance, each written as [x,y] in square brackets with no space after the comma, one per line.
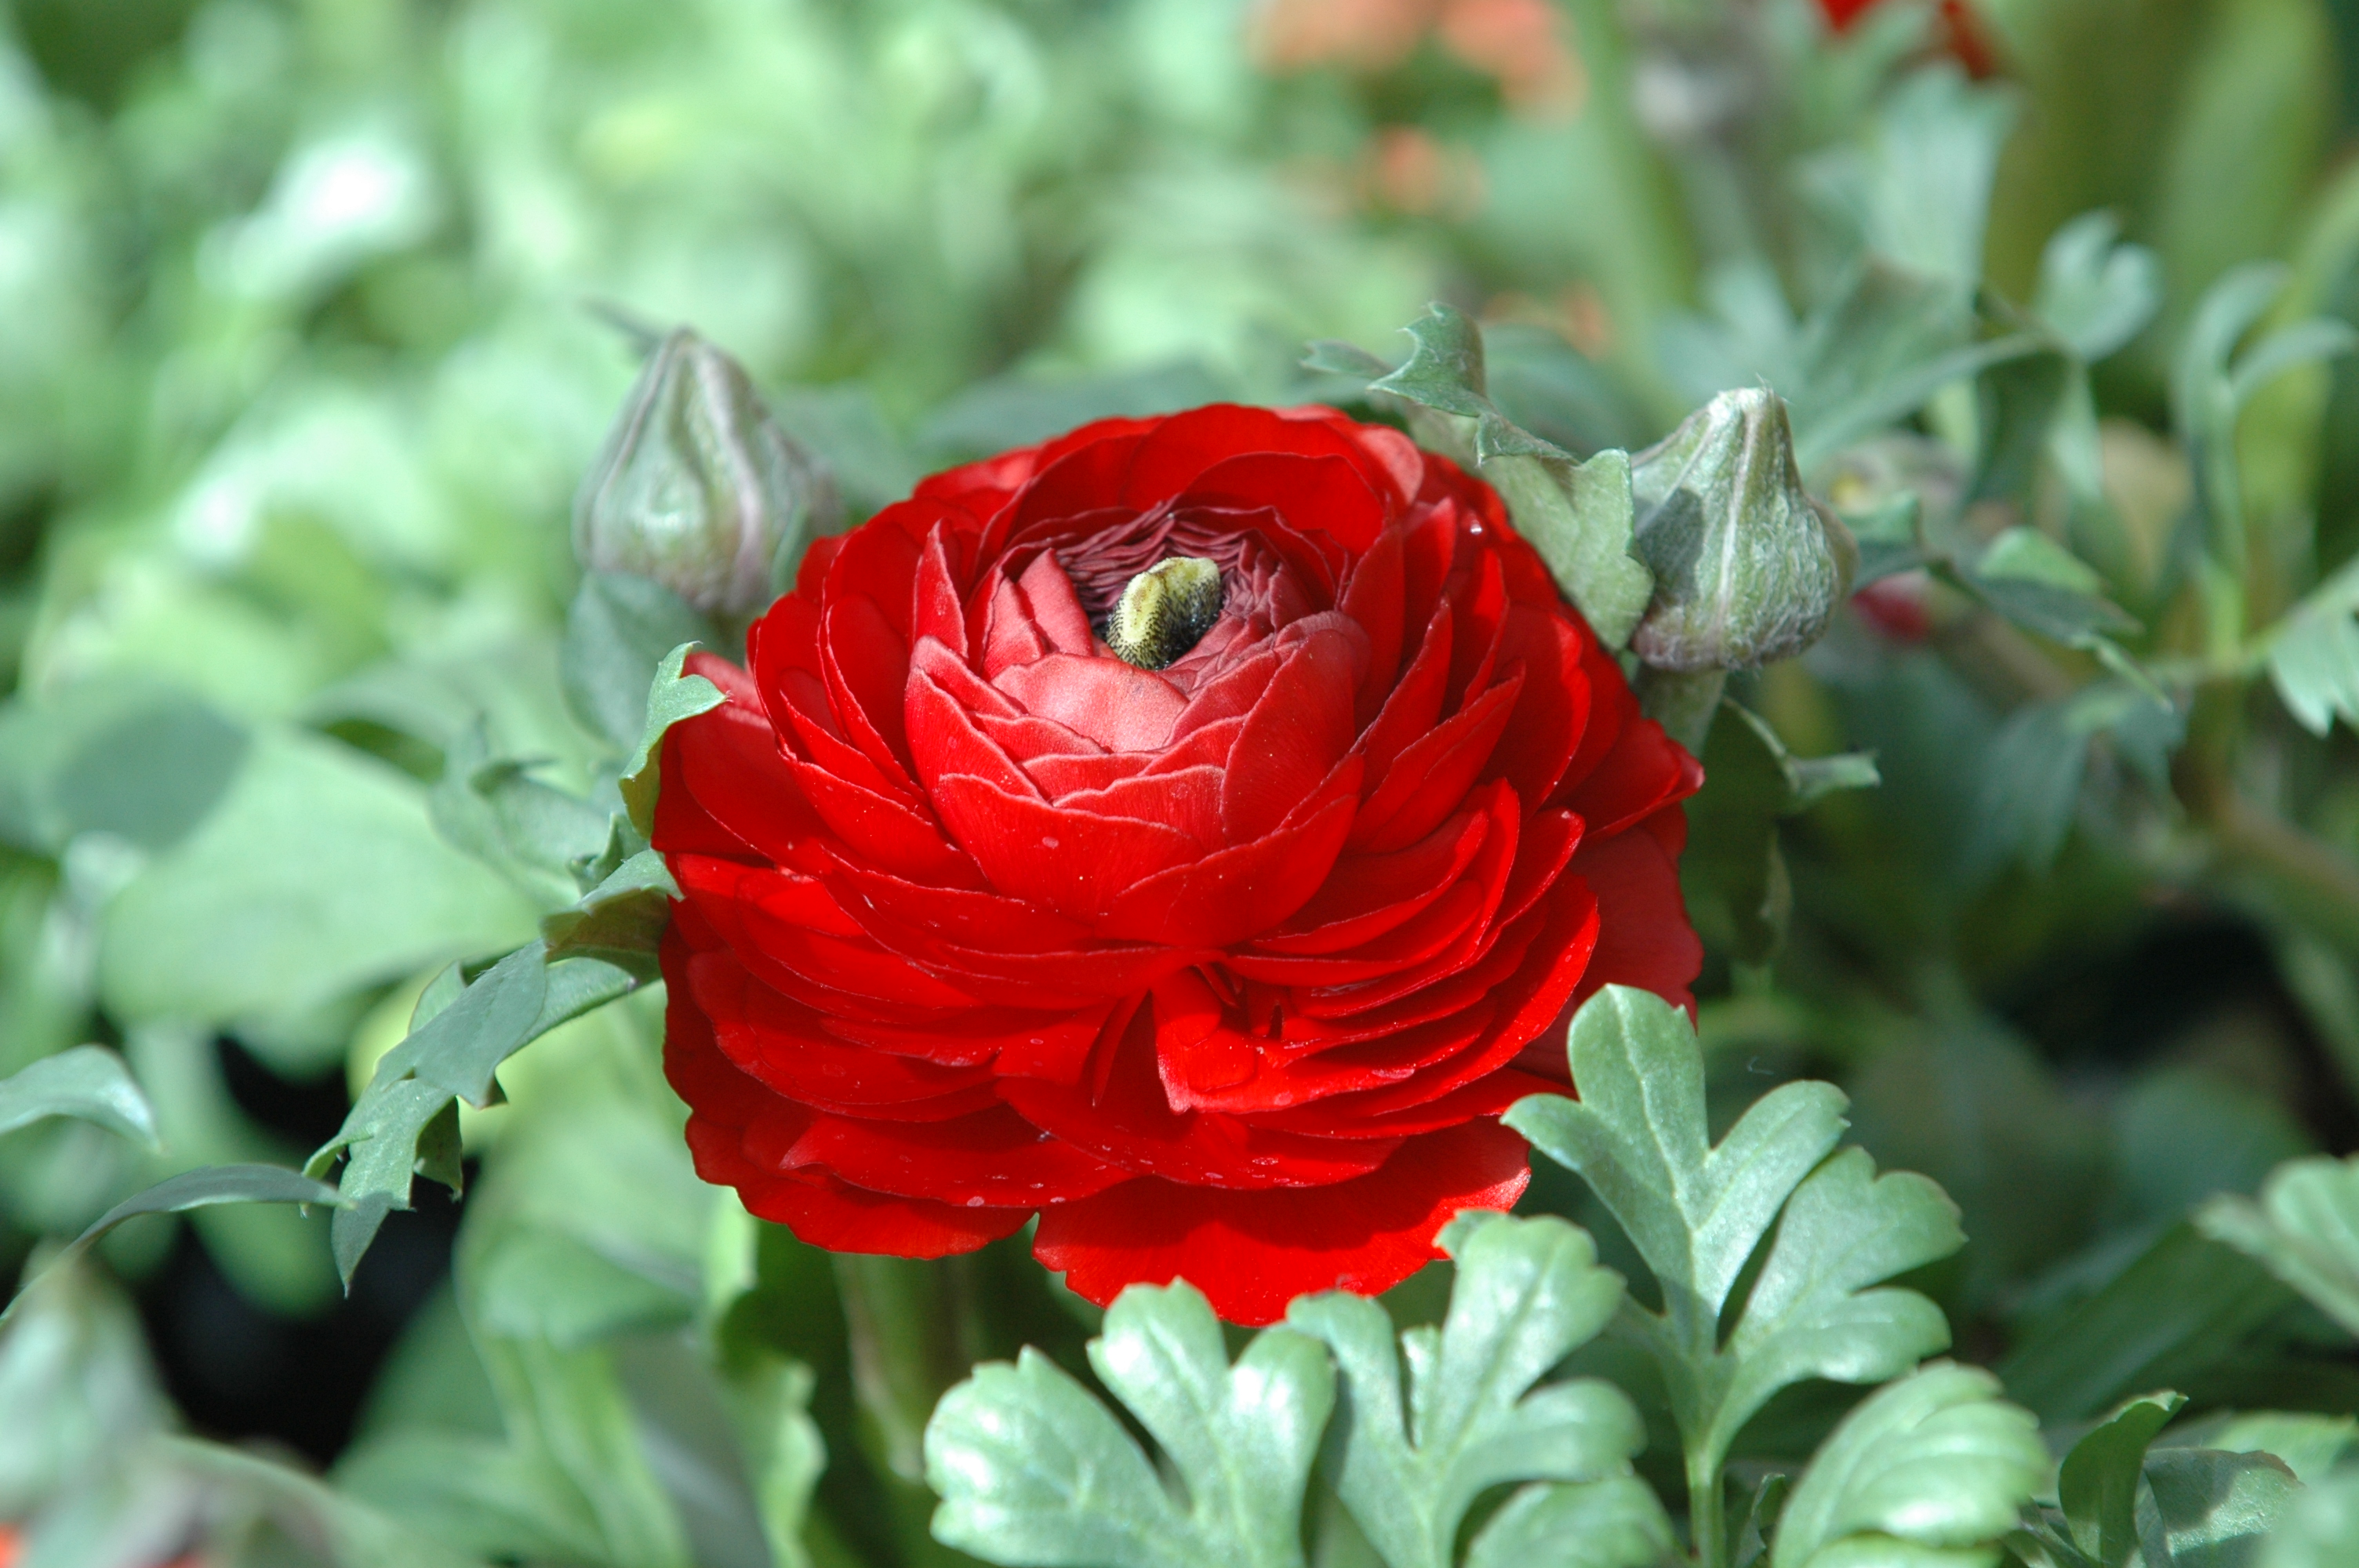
[1525,46]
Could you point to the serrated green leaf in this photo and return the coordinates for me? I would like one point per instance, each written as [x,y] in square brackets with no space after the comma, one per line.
[1933,1463]
[1613,1523]
[617,632]
[622,919]
[1811,1313]
[2098,1483]
[1697,1213]
[2304,1228]
[1032,1470]
[403,1122]
[1637,1136]
[1579,516]
[674,696]
[1445,373]
[1410,1463]
[89,1082]
[2209,1509]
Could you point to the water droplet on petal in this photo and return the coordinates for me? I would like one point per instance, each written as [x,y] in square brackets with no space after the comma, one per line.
[1047,843]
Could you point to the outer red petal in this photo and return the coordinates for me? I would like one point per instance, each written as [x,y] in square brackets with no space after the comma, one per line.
[1251,1253]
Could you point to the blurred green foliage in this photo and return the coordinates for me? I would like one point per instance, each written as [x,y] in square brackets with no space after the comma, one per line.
[313,313]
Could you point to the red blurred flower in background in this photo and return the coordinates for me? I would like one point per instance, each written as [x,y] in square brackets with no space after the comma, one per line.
[1191,831]
[1966,37]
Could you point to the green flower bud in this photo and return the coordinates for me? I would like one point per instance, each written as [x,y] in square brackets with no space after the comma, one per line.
[698,487]
[1747,567]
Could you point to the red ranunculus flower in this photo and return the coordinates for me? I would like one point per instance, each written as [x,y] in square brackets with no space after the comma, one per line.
[1222,957]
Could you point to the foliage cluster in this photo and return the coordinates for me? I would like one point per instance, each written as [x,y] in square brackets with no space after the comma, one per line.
[323,770]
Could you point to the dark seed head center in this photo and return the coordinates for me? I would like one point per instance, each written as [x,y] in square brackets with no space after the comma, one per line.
[1163,612]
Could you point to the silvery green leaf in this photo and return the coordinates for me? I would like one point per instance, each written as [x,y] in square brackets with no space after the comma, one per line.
[1445,373]
[1409,1461]
[1032,1470]
[1932,154]
[2304,1226]
[493,808]
[89,1082]
[621,920]
[1698,1212]
[1613,1523]
[1932,1469]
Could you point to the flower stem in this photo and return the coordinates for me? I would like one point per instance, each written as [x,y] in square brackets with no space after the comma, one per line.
[1707,1523]
[1682,702]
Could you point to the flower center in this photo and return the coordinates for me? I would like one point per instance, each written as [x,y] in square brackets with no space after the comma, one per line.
[1163,612]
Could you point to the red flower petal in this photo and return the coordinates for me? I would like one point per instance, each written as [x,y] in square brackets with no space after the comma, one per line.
[1251,1253]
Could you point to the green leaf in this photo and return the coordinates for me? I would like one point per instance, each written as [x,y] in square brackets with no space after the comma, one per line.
[493,808]
[316,874]
[201,1188]
[403,1122]
[1334,357]
[1021,410]
[139,760]
[2166,1314]
[350,1534]
[1579,516]
[622,920]
[2304,1228]
[1582,518]
[617,632]
[674,696]
[2210,1510]
[1697,1214]
[1033,1470]
[2320,1526]
[89,1082]
[1410,1463]
[2023,554]
[2096,294]
[1936,1462]
[1613,1523]
[1445,373]
[2098,1484]
[2313,654]
[568,1418]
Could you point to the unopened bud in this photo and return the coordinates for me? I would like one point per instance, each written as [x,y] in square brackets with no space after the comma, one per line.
[1747,567]
[698,487]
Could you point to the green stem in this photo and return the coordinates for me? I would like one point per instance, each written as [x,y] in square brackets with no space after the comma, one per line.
[909,1323]
[1707,1519]
[1682,702]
